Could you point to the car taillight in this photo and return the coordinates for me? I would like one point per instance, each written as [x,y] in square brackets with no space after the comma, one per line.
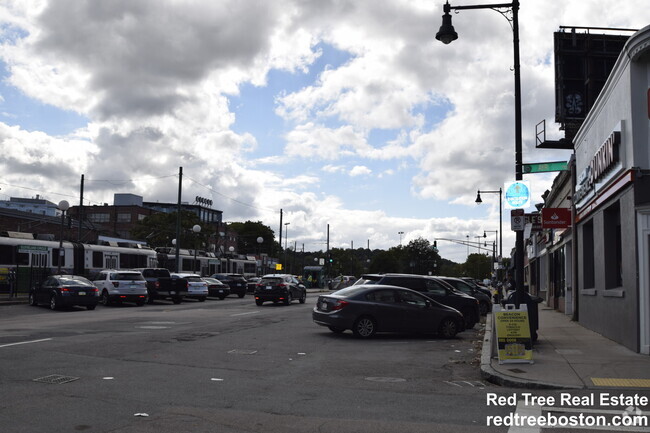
[339,305]
[65,289]
[157,284]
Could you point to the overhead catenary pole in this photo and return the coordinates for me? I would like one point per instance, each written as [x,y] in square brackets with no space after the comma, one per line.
[178,218]
[80,215]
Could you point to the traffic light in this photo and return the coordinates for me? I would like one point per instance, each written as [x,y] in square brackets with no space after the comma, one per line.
[331,260]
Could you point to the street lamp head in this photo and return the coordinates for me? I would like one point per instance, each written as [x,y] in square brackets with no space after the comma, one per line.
[446,34]
[196,228]
[64,205]
[260,239]
[478,198]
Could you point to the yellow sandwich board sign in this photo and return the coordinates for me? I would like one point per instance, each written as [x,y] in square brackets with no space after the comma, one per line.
[514,343]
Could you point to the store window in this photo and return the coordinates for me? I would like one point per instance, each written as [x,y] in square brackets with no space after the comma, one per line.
[613,247]
[588,271]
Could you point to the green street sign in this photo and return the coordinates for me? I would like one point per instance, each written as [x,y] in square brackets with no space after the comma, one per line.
[544,167]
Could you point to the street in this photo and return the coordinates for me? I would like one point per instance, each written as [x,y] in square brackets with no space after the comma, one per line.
[228,366]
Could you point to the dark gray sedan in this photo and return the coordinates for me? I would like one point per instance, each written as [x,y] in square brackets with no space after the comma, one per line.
[368,309]
[65,291]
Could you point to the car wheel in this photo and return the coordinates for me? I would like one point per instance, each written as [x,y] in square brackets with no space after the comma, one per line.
[53,303]
[288,299]
[364,327]
[222,297]
[470,321]
[140,303]
[150,299]
[448,328]
[106,300]
[336,330]
[90,307]
[483,308]
[241,295]
[202,299]
[258,302]
[303,298]
[32,300]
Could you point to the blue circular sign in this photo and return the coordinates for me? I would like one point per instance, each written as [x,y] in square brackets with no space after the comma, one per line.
[517,195]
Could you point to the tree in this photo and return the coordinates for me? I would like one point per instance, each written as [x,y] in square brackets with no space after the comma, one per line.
[159,229]
[247,234]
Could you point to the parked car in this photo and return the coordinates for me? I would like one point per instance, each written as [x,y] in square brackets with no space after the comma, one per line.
[432,288]
[478,285]
[279,288]
[484,300]
[161,286]
[368,309]
[65,291]
[237,283]
[216,288]
[196,287]
[251,283]
[341,282]
[121,286]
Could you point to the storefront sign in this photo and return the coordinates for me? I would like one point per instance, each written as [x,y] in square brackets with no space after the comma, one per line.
[556,218]
[535,220]
[605,158]
[514,343]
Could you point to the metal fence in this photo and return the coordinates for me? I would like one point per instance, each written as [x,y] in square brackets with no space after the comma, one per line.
[19,280]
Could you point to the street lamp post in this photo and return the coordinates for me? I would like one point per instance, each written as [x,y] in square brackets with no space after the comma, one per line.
[286,236]
[196,229]
[400,238]
[479,201]
[447,34]
[63,207]
[260,240]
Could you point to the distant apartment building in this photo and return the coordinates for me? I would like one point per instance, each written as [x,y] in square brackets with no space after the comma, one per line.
[35,205]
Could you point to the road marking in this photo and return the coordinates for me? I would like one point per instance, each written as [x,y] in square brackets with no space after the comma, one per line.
[527,410]
[26,342]
[631,383]
[243,314]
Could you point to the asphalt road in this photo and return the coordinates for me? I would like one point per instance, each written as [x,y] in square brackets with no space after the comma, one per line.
[229,366]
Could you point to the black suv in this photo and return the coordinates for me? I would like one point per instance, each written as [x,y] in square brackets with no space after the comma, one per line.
[279,287]
[484,301]
[237,283]
[433,288]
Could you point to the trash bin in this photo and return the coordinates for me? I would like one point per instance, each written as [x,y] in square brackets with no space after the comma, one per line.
[532,305]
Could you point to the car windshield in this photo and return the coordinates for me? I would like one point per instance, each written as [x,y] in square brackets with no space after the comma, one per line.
[121,276]
[156,273]
[194,279]
[272,280]
[348,291]
[74,281]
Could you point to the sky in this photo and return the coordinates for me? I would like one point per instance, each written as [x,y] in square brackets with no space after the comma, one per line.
[340,113]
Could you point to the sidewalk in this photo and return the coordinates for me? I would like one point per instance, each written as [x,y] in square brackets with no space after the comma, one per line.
[567,356]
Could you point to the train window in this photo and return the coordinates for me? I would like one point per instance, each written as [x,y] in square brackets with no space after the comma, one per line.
[56,257]
[6,254]
[111,261]
[39,260]
[98,259]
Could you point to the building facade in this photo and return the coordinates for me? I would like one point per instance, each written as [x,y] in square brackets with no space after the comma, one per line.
[612,203]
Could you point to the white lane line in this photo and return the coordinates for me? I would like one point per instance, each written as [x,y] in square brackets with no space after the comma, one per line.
[25,342]
[243,314]
[527,410]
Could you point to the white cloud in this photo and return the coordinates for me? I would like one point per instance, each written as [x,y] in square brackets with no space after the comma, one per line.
[156,78]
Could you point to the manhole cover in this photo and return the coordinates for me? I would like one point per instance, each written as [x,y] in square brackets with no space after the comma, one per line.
[242,352]
[385,379]
[56,379]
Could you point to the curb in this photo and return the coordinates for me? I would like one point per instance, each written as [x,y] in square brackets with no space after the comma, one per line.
[491,375]
[14,301]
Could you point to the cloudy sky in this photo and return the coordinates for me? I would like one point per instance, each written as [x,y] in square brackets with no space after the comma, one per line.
[339,112]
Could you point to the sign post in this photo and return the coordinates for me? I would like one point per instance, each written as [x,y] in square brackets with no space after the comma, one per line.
[514,343]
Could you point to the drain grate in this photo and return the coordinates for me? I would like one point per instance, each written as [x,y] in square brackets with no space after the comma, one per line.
[56,379]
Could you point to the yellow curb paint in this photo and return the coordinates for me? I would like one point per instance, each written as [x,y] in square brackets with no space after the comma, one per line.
[632,383]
